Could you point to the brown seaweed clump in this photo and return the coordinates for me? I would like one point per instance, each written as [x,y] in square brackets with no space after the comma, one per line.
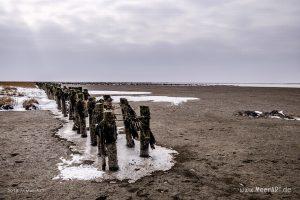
[30,104]
[6,103]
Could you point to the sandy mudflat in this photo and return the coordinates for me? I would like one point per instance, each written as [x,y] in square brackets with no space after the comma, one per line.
[219,154]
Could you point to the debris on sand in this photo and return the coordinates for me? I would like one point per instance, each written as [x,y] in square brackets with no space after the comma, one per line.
[6,103]
[11,91]
[30,104]
[258,114]
[249,113]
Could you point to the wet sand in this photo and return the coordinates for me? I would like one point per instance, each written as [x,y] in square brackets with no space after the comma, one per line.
[220,154]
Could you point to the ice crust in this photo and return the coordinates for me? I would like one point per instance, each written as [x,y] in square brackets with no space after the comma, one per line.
[132,166]
[110,92]
[173,100]
[38,94]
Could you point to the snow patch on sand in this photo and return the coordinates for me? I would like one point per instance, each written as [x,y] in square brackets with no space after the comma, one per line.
[141,96]
[275,117]
[258,112]
[281,112]
[38,94]
[110,92]
[132,166]
[80,172]
[173,100]
[32,92]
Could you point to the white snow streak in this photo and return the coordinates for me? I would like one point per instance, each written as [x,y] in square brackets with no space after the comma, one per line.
[173,100]
[109,92]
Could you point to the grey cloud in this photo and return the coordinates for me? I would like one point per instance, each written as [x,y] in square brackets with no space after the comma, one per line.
[230,41]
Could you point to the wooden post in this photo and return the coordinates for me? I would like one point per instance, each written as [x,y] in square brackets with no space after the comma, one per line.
[64,97]
[58,97]
[72,101]
[92,126]
[127,118]
[97,118]
[145,131]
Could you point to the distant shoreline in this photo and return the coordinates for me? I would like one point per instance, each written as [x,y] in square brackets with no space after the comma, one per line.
[266,85]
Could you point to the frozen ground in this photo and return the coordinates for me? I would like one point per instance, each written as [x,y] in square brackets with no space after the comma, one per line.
[219,153]
[86,165]
[132,167]
[38,94]
[173,100]
[142,96]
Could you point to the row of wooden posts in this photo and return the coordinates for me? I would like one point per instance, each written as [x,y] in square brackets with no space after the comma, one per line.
[77,104]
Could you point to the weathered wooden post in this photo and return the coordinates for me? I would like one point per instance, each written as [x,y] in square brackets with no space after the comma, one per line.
[72,102]
[80,109]
[64,97]
[51,91]
[86,96]
[97,118]
[92,127]
[145,131]
[76,118]
[108,132]
[129,118]
[58,93]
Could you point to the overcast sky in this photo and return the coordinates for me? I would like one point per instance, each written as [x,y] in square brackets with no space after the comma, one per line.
[150,40]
